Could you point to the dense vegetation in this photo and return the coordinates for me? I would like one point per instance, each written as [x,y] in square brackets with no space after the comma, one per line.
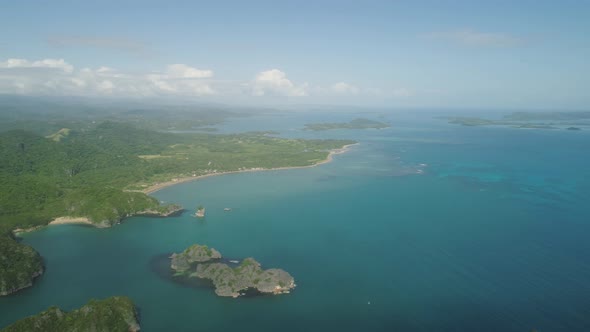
[19,265]
[99,174]
[86,172]
[359,123]
[109,315]
[47,115]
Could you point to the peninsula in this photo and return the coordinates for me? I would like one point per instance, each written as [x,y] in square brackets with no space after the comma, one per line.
[199,261]
[109,315]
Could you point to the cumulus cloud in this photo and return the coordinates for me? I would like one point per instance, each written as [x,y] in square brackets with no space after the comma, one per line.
[46,63]
[275,82]
[57,77]
[63,79]
[476,38]
[183,71]
[344,88]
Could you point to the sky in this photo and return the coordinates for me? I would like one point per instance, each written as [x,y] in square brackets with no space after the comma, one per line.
[447,54]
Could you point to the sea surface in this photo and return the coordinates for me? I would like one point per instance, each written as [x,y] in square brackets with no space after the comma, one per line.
[424,226]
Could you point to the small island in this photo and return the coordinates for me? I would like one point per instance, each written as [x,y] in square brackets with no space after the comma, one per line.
[528,120]
[359,123]
[200,212]
[108,315]
[199,261]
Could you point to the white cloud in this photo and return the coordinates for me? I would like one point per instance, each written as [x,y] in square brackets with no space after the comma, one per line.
[57,77]
[344,88]
[46,63]
[183,71]
[32,77]
[275,82]
[476,38]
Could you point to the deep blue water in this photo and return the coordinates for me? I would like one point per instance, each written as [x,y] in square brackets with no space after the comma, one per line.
[421,227]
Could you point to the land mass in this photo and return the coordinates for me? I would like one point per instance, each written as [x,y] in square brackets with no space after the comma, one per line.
[199,261]
[529,120]
[359,123]
[19,265]
[102,175]
[114,314]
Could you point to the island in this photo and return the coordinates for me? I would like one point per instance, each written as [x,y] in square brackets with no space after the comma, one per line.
[199,261]
[534,126]
[528,120]
[200,212]
[359,123]
[554,116]
[114,314]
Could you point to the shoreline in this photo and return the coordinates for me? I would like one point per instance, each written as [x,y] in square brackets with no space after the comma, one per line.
[157,187]
[56,221]
[152,189]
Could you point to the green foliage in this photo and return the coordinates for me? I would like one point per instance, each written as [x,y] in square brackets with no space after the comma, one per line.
[19,264]
[109,315]
[93,173]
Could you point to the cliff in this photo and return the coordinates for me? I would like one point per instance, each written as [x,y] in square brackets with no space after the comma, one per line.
[182,262]
[19,265]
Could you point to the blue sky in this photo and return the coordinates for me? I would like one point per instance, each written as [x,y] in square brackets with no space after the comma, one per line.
[464,54]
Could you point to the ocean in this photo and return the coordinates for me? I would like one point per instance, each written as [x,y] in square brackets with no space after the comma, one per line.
[424,226]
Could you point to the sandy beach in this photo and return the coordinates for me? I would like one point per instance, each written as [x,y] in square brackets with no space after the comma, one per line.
[166,184]
[70,220]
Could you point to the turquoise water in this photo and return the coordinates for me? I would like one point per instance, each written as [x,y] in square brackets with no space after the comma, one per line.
[422,227]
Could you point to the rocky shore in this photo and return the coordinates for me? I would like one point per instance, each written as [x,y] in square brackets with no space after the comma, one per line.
[199,261]
[19,265]
[168,211]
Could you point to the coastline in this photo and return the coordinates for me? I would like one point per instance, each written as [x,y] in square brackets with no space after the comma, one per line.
[56,221]
[159,186]
[152,189]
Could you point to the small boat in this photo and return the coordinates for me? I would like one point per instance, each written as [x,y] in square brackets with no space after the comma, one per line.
[227,209]
[234,261]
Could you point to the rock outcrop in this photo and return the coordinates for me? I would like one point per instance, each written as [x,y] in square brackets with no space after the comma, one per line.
[163,212]
[19,265]
[182,262]
[201,262]
[112,314]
